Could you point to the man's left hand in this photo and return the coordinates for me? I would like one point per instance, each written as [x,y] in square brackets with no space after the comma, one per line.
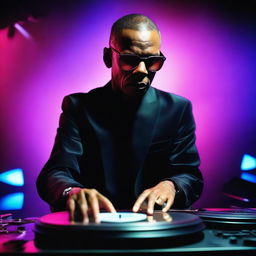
[162,194]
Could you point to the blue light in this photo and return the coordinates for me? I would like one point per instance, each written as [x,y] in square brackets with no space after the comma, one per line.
[12,201]
[13,177]
[248,177]
[248,163]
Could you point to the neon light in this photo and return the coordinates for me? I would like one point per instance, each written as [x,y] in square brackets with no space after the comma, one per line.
[237,197]
[248,177]
[12,201]
[13,177]
[248,162]
[22,31]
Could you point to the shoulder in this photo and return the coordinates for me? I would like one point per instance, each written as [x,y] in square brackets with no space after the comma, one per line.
[175,105]
[75,100]
[167,99]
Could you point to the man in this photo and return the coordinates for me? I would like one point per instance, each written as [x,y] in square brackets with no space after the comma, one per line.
[126,144]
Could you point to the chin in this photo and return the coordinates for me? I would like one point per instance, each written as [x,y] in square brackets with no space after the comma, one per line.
[134,92]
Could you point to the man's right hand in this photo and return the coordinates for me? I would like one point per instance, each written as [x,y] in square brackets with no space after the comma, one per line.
[85,201]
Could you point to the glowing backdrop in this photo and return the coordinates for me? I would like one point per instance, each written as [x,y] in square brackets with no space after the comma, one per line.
[210,60]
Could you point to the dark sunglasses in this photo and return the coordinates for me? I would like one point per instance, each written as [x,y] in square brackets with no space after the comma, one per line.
[128,62]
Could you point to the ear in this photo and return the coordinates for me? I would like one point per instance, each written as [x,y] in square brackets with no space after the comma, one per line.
[107,57]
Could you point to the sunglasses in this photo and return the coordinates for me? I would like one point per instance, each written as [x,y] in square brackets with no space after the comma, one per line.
[128,62]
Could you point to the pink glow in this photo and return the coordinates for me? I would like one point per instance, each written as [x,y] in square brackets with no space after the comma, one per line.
[56,218]
[30,247]
[206,62]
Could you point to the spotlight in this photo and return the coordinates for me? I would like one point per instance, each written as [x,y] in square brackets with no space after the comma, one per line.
[13,177]
[249,177]
[12,201]
[248,163]
[22,31]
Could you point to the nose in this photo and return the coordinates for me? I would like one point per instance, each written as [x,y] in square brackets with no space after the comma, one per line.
[141,68]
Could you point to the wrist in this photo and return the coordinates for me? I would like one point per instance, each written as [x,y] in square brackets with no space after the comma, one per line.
[169,183]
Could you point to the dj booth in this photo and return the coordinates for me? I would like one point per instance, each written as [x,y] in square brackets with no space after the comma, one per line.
[189,232]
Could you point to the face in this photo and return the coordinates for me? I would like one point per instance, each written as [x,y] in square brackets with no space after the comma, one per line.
[142,43]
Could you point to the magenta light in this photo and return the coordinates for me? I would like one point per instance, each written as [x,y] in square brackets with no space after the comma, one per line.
[22,31]
[237,197]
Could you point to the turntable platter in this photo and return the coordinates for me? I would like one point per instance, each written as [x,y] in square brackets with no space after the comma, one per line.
[54,231]
[62,218]
[229,218]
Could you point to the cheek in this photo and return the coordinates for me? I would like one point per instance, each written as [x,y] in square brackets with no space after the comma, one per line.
[116,72]
[120,77]
[117,75]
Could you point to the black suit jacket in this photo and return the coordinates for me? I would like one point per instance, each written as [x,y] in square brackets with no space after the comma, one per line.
[96,147]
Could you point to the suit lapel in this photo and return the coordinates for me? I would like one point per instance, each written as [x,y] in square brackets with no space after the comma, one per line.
[104,119]
[143,131]
[102,116]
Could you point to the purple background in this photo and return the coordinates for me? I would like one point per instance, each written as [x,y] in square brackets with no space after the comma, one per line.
[210,60]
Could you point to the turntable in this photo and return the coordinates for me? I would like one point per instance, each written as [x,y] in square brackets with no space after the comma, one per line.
[228,218]
[119,230]
[178,232]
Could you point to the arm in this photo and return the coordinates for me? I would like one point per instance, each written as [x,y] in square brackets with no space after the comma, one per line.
[184,162]
[62,169]
[185,182]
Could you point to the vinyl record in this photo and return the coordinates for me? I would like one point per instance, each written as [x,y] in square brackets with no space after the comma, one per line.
[54,231]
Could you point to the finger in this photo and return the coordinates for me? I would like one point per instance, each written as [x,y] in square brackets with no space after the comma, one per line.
[140,200]
[106,204]
[168,204]
[83,206]
[94,204]
[160,200]
[151,203]
[71,208]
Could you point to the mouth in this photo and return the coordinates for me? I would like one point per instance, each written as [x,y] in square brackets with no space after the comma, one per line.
[140,85]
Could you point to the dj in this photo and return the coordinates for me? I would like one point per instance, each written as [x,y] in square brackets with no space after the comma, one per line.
[126,144]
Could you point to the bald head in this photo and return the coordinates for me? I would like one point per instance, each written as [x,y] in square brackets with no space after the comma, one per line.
[136,22]
[132,36]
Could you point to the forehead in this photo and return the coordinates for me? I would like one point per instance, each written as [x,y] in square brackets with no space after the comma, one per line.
[140,41]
